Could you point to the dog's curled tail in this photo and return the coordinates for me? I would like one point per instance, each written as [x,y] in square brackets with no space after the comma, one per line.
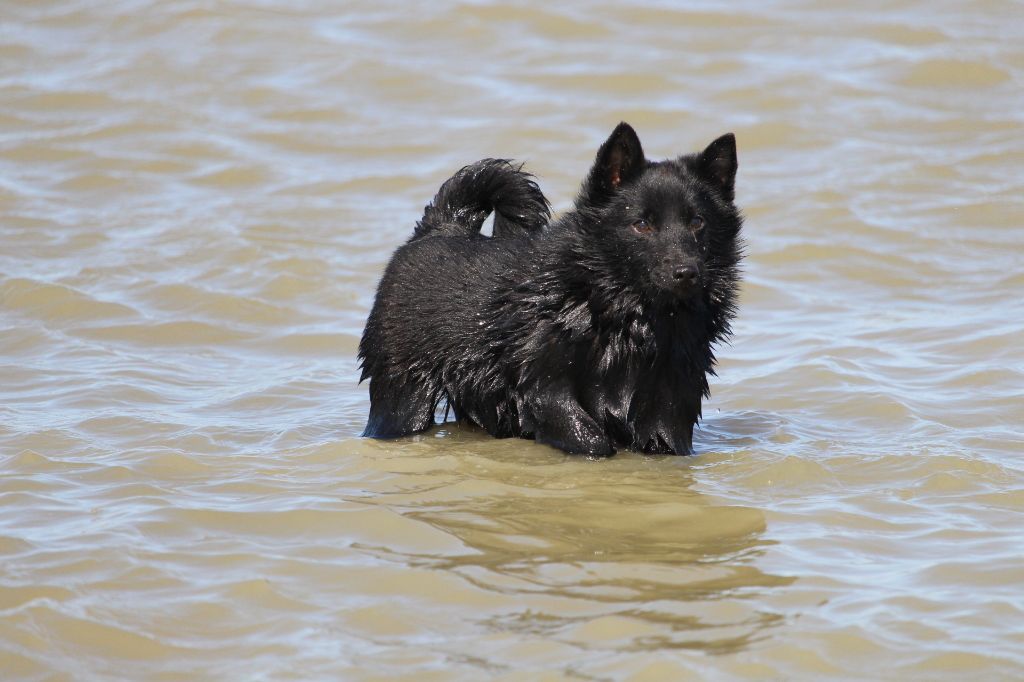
[468,197]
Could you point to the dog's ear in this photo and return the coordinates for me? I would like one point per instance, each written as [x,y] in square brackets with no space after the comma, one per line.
[717,164]
[619,160]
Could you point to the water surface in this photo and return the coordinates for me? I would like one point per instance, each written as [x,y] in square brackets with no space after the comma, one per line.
[197,199]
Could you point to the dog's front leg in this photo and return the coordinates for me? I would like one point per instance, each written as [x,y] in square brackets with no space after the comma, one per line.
[560,421]
[399,408]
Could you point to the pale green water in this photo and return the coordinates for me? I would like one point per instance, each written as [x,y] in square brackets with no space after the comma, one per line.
[197,200]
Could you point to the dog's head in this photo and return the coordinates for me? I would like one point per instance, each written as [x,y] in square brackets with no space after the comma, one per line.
[666,229]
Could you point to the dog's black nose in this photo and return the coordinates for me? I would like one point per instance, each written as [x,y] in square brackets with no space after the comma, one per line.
[685,274]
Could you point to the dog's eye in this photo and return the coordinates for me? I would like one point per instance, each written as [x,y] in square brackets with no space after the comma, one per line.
[642,227]
[697,223]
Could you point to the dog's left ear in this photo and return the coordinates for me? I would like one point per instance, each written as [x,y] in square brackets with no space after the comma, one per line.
[619,160]
[717,164]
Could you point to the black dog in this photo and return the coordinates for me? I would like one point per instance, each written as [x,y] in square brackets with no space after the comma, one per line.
[592,332]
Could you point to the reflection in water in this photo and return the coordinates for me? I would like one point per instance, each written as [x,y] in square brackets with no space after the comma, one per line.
[626,541]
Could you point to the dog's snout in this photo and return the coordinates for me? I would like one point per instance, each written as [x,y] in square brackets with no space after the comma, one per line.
[685,274]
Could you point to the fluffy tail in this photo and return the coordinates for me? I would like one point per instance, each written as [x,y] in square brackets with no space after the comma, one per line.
[468,197]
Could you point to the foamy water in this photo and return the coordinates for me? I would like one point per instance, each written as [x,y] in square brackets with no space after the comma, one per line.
[197,201]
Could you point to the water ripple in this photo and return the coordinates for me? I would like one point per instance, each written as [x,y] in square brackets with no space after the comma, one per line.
[198,200]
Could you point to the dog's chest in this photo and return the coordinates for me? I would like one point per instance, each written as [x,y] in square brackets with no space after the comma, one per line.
[622,388]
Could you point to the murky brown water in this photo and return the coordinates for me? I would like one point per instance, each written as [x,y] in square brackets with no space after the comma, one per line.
[196,200]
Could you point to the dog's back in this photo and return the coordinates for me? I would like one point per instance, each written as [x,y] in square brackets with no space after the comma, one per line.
[424,341]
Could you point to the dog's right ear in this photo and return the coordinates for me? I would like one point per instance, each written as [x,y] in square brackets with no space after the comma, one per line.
[619,160]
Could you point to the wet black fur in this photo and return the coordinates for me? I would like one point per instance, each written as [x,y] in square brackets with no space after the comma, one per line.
[590,333]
